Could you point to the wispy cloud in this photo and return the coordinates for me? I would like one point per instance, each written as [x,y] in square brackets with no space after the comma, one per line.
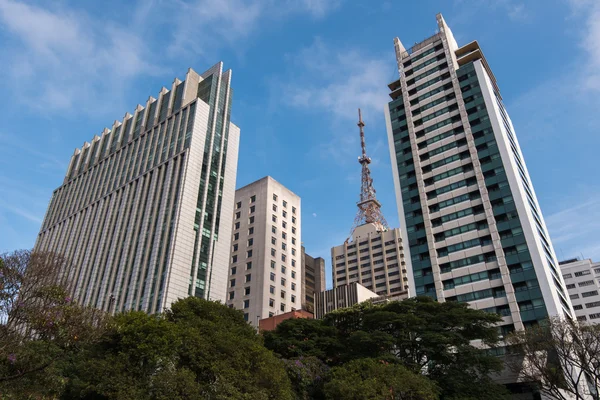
[232,22]
[336,82]
[576,229]
[60,56]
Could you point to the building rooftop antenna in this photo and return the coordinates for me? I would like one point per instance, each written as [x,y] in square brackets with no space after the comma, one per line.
[369,209]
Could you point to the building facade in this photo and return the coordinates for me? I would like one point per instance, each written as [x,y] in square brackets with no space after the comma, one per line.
[313,279]
[582,278]
[373,258]
[266,262]
[472,222]
[144,212]
[270,324]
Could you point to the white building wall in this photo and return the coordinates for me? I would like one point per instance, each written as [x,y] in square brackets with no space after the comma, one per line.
[582,278]
[259,226]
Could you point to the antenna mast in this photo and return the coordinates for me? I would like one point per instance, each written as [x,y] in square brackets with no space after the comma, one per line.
[369,209]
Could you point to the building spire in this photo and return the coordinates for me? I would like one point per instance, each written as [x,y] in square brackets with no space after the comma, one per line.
[369,209]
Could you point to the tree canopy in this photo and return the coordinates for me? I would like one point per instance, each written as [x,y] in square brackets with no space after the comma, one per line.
[427,338]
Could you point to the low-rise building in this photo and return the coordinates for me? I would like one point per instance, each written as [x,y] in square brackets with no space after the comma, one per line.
[582,278]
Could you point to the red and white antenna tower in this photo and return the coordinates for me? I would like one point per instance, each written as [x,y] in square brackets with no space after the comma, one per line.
[369,209]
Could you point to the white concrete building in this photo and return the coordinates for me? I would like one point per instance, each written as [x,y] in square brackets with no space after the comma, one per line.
[266,256]
[582,278]
[144,212]
[373,258]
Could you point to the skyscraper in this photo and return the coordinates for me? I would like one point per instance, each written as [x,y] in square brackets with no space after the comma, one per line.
[373,255]
[473,225]
[266,261]
[144,212]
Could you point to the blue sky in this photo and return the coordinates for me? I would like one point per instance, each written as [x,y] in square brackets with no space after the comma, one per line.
[301,68]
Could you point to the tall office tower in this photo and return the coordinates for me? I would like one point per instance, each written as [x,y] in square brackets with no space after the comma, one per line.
[583,283]
[313,279]
[373,254]
[473,224]
[265,266]
[144,212]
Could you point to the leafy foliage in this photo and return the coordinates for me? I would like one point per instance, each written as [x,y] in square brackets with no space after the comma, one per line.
[423,336]
[376,379]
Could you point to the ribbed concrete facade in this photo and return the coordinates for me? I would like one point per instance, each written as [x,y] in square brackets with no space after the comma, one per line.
[265,266]
[144,213]
[474,227]
[342,296]
[372,258]
[582,278]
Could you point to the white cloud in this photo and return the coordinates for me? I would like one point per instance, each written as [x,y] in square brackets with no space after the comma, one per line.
[343,80]
[575,230]
[203,25]
[314,215]
[61,57]
[336,82]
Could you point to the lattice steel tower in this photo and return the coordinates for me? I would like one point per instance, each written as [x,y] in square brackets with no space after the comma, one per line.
[369,209]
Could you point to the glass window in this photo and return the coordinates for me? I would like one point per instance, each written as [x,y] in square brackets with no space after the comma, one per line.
[271,303]
[273,276]
[293,286]
[283,294]
[274,218]
[273,252]
[249,253]
[238,205]
[273,240]
[293,299]
[251,220]
[284,214]
[282,307]
[273,229]
[249,265]
[250,242]
[282,281]
[245,316]
[231,295]
[283,235]
[236,236]
[272,290]
[293,274]
[237,225]
[238,215]
[293,220]
[251,230]
[272,264]
[233,270]
[283,269]
[247,291]
[283,257]
[284,203]
[232,283]
[274,207]
[293,230]
[235,247]
[234,258]
[274,197]
[253,199]
[248,278]
[247,303]
[252,209]
[284,224]
[293,210]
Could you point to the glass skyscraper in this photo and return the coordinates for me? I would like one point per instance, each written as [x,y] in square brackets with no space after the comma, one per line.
[145,211]
[469,214]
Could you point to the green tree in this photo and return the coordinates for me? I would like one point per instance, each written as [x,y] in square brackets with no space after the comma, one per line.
[378,380]
[41,327]
[426,337]
[198,349]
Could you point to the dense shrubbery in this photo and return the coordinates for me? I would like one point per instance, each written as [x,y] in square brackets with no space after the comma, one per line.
[52,348]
